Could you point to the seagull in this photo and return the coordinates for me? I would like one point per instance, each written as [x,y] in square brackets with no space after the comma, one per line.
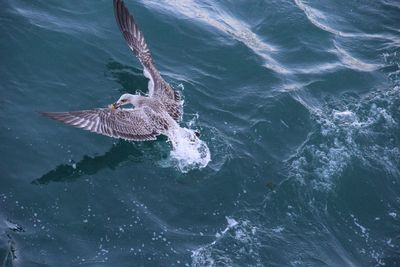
[156,114]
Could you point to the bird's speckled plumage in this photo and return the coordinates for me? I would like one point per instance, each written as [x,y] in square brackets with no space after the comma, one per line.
[152,115]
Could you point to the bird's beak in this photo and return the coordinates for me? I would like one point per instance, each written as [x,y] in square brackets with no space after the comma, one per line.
[116,105]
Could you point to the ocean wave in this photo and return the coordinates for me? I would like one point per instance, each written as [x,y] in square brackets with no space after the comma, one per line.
[352,62]
[320,20]
[49,21]
[215,17]
[316,17]
[349,129]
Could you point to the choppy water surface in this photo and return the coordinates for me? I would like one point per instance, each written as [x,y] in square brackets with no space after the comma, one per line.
[298,102]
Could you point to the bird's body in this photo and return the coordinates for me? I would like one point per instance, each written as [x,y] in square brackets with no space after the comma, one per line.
[152,115]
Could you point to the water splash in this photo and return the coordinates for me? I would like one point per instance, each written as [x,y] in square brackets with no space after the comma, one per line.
[189,152]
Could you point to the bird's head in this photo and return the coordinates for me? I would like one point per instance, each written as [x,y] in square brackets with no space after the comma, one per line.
[124,100]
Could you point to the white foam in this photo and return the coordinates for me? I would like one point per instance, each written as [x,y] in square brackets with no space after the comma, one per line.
[318,19]
[231,223]
[240,237]
[315,17]
[346,117]
[189,152]
[354,63]
[341,131]
[278,229]
[364,230]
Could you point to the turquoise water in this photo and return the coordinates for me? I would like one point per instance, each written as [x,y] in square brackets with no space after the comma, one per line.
[298,101]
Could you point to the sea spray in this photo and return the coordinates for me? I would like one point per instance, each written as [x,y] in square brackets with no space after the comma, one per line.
[189,152]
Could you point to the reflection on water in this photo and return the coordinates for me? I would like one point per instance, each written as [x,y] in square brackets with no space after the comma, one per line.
[120,152]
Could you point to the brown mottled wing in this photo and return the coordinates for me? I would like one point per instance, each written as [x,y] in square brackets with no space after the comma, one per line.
[158,87]
[126,124]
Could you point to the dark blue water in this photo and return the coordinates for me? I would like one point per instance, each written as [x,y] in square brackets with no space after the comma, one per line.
[298,101]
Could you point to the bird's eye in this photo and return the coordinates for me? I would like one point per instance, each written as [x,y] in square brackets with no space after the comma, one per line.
[123,100]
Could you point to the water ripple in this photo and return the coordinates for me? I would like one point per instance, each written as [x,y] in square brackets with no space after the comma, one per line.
[352,62]
[224,22]
[320,20]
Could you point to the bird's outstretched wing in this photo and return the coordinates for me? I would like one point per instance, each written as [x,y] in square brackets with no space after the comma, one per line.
[126,124]
[158,87]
